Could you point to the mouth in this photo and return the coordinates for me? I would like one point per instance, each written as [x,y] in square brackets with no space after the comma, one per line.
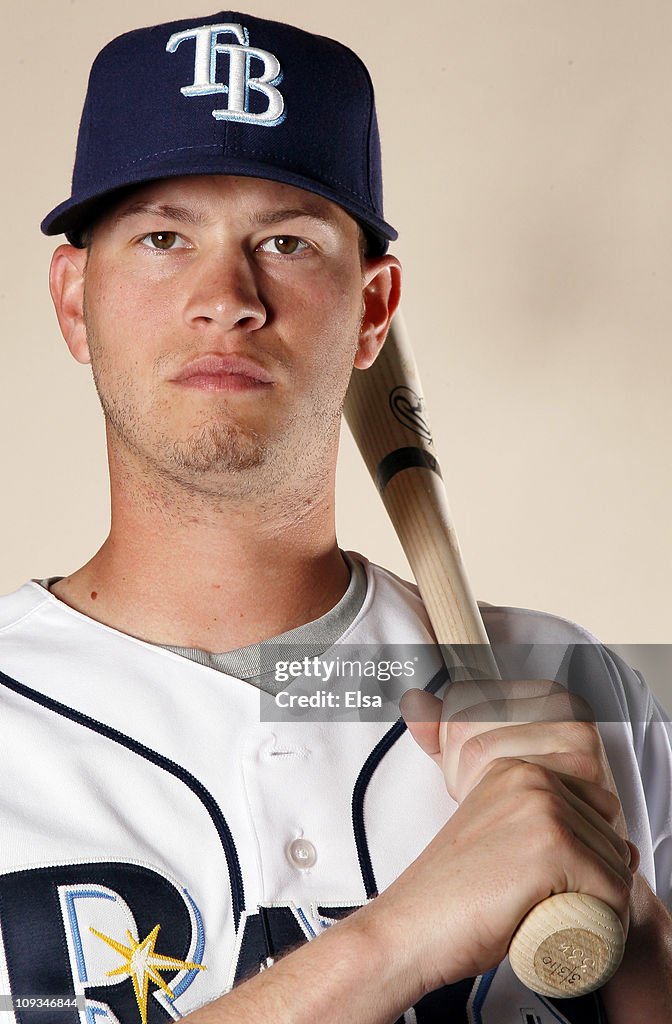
[224,373]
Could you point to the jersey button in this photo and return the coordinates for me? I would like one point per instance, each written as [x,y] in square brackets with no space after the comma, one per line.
[302,854]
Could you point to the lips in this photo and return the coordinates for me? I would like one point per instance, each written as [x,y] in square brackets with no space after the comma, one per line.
[223,371]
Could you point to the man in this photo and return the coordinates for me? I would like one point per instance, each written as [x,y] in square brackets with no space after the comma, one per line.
[164,843]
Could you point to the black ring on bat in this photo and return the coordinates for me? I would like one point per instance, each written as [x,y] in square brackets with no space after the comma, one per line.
[404,458]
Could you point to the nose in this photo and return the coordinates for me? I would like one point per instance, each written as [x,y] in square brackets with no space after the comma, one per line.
[223,290]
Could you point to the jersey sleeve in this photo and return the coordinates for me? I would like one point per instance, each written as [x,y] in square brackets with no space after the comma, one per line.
[651,732]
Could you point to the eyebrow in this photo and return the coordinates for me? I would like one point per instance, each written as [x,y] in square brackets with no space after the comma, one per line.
[188,215]
[293,213]
[183,214]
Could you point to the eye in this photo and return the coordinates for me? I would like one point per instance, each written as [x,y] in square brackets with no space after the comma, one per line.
[164,240]
[286,245]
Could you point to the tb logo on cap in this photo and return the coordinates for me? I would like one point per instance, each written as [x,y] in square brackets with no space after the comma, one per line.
[241,55]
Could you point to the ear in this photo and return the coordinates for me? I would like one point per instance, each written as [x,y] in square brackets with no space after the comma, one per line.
[380,294]
[66,284]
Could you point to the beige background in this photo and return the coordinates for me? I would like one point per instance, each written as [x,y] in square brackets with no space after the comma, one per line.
[528,159]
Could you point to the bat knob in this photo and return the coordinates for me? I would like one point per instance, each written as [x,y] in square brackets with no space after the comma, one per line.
[568,945]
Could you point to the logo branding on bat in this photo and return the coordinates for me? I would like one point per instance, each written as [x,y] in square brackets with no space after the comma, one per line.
[253,74]
[408,408]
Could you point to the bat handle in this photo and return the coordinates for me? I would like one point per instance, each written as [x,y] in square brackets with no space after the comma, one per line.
[568,945]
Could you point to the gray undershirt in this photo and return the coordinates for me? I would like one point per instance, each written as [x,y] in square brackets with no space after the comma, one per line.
[308,640]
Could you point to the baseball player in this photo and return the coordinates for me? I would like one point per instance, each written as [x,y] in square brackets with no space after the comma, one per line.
[178,839]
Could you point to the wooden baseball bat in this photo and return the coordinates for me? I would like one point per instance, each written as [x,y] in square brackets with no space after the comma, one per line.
[570,943]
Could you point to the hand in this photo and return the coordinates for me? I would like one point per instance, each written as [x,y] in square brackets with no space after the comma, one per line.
[537,720]
[539,812]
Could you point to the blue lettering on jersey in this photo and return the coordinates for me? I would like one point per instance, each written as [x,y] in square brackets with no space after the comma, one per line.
[122,934]
[132,941]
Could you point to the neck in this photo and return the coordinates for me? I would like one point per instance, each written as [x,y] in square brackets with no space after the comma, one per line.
[188,569]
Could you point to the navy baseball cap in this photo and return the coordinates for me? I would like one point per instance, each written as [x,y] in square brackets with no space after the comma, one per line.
[228,94]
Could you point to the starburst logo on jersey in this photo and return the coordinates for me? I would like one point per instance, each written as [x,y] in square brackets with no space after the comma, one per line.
[120,959]
[143,964]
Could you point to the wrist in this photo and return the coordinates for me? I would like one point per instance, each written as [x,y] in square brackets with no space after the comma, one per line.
[381,932]
[643,982]
[347,972]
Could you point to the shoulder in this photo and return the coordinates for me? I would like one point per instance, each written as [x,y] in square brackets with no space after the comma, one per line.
[21,604]
[528,643]
[504,624]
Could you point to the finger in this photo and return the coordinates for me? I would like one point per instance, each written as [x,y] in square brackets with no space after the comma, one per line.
[570,747]
[635,857]
[612,857]
[463,694]
[559,706]
[598,823]
[588,871]
[602,798]
[471,708]
[422,712]
[583,800]
[576,847]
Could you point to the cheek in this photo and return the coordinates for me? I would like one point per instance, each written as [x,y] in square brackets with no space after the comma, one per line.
[329,317]
[116,298]
[123,319]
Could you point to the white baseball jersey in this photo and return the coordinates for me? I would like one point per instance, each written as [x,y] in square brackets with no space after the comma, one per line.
[159,840]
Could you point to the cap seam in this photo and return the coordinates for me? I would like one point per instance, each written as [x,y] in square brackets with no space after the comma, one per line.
[366,148]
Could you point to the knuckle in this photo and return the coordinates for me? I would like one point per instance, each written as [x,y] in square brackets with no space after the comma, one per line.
[582,734]
[549,811]
[581,709]
[590,736]
[582,765]
[458,731]
[543,816]
[612,805]
[560,838]
[477,751]
[527,775]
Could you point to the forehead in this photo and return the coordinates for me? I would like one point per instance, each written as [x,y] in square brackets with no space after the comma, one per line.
[209,197]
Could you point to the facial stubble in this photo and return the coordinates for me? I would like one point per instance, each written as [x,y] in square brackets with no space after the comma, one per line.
[220,455]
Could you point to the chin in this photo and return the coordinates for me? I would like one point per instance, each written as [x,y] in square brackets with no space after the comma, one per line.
[219,448]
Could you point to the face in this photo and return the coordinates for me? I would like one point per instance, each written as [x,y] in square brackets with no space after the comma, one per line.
[222,317]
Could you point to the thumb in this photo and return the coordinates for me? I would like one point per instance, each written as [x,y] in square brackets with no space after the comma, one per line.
[422,713]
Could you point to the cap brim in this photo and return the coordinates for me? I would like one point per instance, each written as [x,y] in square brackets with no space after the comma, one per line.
[75,214]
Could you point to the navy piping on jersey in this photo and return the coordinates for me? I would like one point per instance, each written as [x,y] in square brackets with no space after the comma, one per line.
[363,779]
[196,787]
